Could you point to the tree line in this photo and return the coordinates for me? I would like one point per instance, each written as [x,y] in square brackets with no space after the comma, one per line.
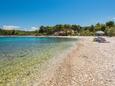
[16,32]
[66,30]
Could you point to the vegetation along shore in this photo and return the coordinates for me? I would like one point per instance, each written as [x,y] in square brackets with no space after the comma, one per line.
[65,30]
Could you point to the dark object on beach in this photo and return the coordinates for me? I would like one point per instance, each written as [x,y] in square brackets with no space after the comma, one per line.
[100,40]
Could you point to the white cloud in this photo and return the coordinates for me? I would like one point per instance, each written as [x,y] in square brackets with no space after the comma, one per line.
[113,18]
[10,27]
[33,28]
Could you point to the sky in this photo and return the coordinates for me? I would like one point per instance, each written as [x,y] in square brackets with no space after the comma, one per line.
[29,14]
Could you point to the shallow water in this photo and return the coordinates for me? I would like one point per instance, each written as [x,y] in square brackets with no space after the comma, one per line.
[18,55]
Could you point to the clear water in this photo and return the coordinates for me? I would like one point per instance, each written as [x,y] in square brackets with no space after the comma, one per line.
[18,55]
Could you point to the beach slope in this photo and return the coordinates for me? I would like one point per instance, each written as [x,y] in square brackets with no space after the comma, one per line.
[88,64]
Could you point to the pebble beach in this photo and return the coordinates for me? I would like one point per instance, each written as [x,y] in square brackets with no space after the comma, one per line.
[88,64]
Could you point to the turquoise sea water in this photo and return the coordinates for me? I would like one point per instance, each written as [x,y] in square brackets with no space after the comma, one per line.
[20,55]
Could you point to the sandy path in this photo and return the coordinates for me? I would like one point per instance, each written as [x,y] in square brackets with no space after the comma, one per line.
[89,64]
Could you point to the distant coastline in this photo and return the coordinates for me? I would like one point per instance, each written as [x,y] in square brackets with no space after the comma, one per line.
[107,28]
[38,36]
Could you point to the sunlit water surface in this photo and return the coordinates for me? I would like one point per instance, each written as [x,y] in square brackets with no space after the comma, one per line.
[20,55]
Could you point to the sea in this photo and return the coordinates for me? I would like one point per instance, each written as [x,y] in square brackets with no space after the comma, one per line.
[22,56]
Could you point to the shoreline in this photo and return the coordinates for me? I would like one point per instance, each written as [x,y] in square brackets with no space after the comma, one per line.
[32,72]
[88,64]
[54,36]
[43,36]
